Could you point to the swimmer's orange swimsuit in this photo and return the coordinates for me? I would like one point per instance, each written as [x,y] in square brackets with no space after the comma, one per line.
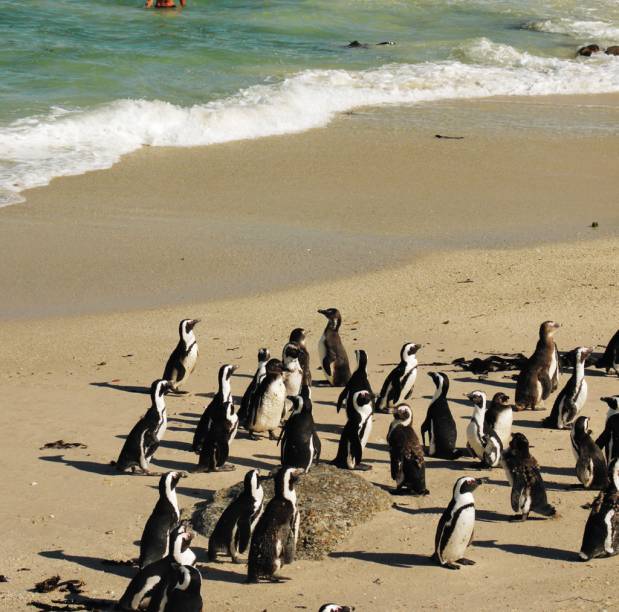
[165,4]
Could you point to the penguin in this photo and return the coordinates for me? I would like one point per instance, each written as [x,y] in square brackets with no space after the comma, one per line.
[357,382]
[183,593]
[499,417]
[217,427]
[143,440]
[493,450]
[268,403]
[408,467]
[298,337]
[523,474]
[439,424]
[456,526]
[158,576]
[591,467]
[540,375]
[333,357]
[263,357]
[275,538]
[610,359]
[293,372]
[609,438]
[601,536]
[154,544]
[355,433]
[475,432]
[330,607]
[298,436]
[182,361]
[236,524]
[573,396]
[398,386]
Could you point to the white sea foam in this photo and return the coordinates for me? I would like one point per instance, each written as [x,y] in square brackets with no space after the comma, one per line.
[66,142]
[592,31]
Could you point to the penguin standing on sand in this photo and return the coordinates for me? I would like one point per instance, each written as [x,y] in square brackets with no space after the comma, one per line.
[268,403]
[573,396]
[408,467]
[523,473]
[499,417]
[235,526]
[591,467]
[357,382]
[182,361]
[217,427]
[609,438]
[156,578]
[456,526]
[399,384]
[610,359]
[155,541]
[355,434]
[263,357]
[274,542]
[184,593]
[293,372]
[143,440]
[601,536]
[299,441]
[333,357]
[439,423]
[475,432]
[540,375]
[298,337]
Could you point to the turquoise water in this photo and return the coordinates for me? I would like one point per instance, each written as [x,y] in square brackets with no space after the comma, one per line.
[85,82]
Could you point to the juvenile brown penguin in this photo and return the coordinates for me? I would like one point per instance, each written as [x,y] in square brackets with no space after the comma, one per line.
[333,356]
[591,467]
[540,375]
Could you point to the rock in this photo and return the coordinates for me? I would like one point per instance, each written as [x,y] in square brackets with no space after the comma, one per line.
[614,50]
[331,502]
[589,50]
[355,44]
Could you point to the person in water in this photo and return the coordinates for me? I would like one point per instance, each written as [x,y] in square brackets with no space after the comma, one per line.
[163,4]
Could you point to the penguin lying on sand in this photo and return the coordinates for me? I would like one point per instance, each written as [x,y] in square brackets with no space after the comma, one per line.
[333,357]
[399,384]
[355,434]
[591,467]
[439,424]
[182,361]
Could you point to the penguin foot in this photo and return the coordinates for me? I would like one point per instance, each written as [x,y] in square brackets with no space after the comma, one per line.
[226,467]
[451,566]
[278,579]
[464,561]
[363,467]
[587,506]
[272,436]
[517,518]
[253,436]
[399,492]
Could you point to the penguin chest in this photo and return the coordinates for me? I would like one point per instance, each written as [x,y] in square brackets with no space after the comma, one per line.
[191,358]
[581,396]
[460,536]
[322,353]
[407,384]
[474,438]
[503,426]
[293,380]
[163,425]
[553,368]
[272,403]
[364,431]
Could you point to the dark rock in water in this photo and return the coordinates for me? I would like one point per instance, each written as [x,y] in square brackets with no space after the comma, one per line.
[331,502]
[589,50]
[614,50]
[355,44]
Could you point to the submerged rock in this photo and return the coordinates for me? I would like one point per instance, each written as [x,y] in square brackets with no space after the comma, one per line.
[331,502]
[589,50]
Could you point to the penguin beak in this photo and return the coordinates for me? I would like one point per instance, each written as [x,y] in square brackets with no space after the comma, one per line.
[323,312]
[234,368]
[263,478]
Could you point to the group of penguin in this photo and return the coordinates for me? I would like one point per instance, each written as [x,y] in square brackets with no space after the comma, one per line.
[279,397]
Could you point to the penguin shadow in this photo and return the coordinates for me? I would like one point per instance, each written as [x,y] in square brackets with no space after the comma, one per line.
[90,562]
[201,494]
[328,428]
[177,466]
[487,381]
[558,471]
[489,516]
[85,466]
[459,466]
[541,552]
[403,560]
[215,573]
[460,401]
[253,463]
[384,448]
[176,445]
[325,403]
[416,511]
[528,423]
[125,388]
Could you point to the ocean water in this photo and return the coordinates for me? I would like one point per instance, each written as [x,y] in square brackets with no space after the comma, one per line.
[83,83]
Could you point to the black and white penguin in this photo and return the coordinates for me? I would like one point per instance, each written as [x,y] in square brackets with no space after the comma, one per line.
[155,541]
[298,438]
[540,375]
[182,361]
[499,417]
[408,466]
[330,607]
[591,468]
[456,526]
[236,524]
[439,423]
[143,440]
[268,403]
[355,434]
[475,432]
[523,474]
[357,382]
[298,337]
[263,357]
[274,542]
[183,594]
[601,536]
[331,351]
[610,359]
[573,396]
[609,438]
[399,384]
[156,578]
[293,372]
[217,427]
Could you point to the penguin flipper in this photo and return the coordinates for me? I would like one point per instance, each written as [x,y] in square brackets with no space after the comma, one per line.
[342,398]
[603,439]
[546,383]
[326,365]
[396,464]
[317,446]
[243,533]
[356,450]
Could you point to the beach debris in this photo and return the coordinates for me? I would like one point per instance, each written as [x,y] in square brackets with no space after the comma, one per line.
[493,363]
[446,322]
[468,280]
[331,501]
[102,363]
[3,578]
[62,444]
[56,583]
[588,50]
[448,137]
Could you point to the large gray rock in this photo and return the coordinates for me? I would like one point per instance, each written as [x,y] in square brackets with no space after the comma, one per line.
[331,502]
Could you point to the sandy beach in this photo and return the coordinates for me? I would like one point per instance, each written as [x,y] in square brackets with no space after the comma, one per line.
[464,246]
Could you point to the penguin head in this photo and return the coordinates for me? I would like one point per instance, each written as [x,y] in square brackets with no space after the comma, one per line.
[274,366]
[291,351]
[613,473]
[408,352]
[180,539]
[403,414]
[185,328]
[519,444]
[252,482]
[582,353]
[330,607]
[285,479]
[334,316]
[158,389]
[362,359]
[612,401]
[548,329]
[168,482]
[297,335]
[361,399]
[581,427]
[264,354]
[298,404]
[466,484]
[478,399]
[500,399]
[225,372]
[441,381]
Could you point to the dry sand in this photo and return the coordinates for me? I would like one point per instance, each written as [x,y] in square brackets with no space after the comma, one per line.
[82,378]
